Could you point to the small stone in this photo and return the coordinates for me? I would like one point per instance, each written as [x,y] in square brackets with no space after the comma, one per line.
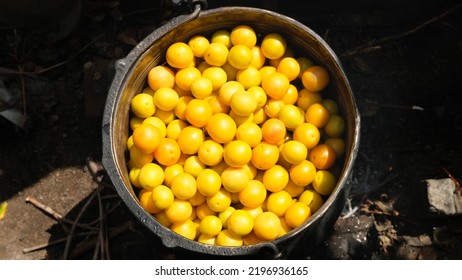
[444,197]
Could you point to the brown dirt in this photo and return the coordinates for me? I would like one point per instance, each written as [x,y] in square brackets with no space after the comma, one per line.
[408,91]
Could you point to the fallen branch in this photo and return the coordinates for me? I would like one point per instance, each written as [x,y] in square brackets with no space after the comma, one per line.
[23,91]
[54,214]
[48,244]
[4,71]
[112,233]
[377,44]
[456,182]
[106,235]
[47,209]
[79,215]
[96,170]
[43,246]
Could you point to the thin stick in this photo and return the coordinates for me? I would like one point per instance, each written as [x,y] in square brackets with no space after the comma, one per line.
[54,214]
[44,70]
[72,56]
[49,244]
[43,246]
[74,225]
[23,90]
[44,208]
[384,105]
[106,236]
[96,250]
[452,177]
[99,243]
[112,209]
[395,150]
[113,232]
[101,227]
[96,170]
[376,45]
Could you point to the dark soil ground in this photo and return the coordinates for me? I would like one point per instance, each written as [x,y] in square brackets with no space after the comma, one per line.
[403,62]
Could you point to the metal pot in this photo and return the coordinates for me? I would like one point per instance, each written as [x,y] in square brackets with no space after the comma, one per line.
[130,79]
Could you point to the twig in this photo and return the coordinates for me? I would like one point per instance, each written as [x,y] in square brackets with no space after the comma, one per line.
[106,236]
[96,250]
[72,56]
[43,246]
[49,244]
[397,149]
[23,90]
[74,225]
[113,232]
[393,106]
[59,64]
[376,45]
[44,208]
[99,243]
[350,210]
[101,227]
[452,177]
[110,196]
[54,214]
[48,210]
[117,204]
[96,170]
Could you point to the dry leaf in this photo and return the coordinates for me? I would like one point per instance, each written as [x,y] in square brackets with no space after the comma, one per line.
[3,207]
[418,241]
[427,253]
